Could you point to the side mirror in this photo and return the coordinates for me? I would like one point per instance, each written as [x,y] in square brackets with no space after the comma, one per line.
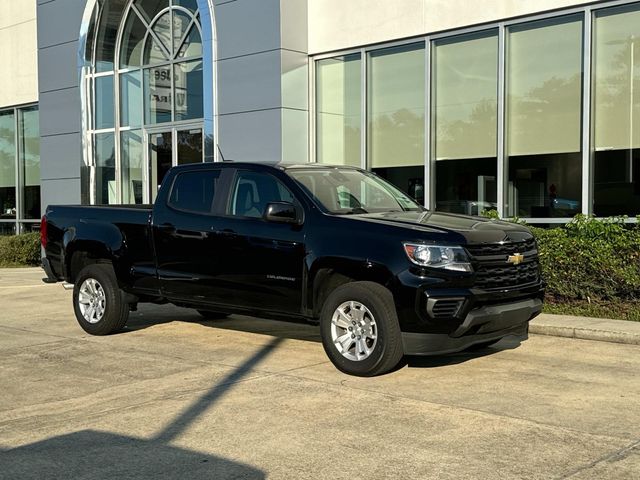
[282,212]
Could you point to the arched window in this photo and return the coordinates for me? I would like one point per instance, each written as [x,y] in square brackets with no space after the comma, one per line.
[143,96]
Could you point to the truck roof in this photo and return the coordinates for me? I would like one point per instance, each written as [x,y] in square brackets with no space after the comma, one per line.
[277,165]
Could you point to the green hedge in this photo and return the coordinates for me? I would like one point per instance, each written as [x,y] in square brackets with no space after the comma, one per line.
[20,250]
[591,266]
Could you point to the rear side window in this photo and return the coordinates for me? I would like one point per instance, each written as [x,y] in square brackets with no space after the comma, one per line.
[194,191]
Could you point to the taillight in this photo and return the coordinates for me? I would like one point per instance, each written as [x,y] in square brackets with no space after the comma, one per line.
[43,231]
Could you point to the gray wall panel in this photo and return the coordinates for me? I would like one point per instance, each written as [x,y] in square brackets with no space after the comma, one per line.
[251,136]
[60,192]
[249,83]
[57,67]
[59,22]
[247,26]
[62,156]
[59,112]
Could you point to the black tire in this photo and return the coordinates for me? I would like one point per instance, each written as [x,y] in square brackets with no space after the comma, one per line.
[210,315]
[387,352]
[116,310]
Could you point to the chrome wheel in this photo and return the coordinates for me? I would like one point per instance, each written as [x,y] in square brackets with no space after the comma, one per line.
[353,331]
[92,300]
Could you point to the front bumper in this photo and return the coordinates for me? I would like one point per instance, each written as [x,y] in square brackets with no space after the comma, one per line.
[483,324]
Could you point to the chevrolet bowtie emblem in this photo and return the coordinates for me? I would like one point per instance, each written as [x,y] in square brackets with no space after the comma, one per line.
[516,258]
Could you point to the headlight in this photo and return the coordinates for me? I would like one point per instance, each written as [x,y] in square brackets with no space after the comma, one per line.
[434,256]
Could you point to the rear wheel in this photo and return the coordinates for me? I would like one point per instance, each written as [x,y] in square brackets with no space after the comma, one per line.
[211,315]
[360,330]
[98,302]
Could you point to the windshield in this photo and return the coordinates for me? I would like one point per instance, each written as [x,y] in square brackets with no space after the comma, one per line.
[345,191]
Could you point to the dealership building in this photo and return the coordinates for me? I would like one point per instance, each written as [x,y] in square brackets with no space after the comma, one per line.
[529,108]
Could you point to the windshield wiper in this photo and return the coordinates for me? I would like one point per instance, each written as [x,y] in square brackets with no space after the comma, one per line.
[355,211]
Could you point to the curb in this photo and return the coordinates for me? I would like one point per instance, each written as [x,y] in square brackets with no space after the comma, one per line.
[585,328]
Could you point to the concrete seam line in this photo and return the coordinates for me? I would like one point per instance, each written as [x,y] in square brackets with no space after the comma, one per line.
[616,456]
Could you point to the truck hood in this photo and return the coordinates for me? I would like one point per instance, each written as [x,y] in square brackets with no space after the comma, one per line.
[474,229]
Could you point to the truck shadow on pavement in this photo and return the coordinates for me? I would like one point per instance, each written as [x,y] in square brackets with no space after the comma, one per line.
[152,315]
[102,455]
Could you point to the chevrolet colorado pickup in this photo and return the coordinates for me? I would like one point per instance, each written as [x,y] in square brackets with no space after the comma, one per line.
[334,245]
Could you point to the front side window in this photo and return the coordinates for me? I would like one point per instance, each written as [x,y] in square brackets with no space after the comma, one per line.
[253,191]
[194,191]
[346,191]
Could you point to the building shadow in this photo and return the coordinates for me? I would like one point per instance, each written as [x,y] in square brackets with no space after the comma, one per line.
[90,454]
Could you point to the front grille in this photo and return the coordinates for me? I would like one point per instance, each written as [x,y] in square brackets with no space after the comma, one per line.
[494,272]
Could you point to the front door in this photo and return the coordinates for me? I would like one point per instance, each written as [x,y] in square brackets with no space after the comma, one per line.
[168,147]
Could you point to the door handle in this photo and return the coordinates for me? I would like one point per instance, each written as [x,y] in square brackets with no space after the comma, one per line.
[167,228]
[227,232]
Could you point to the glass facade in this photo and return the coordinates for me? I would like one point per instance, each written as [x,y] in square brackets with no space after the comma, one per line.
[395,116]
[616,111]
[145,81]
[338,103]
[19,170]
[535,117]
[465,106]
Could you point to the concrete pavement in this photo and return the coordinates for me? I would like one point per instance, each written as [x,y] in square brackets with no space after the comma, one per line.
[178,397]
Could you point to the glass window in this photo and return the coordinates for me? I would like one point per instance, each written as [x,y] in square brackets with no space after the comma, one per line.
[395,108]
[104,102]
[338,106]
[7,165]
[30,161]
[105,170]
[188,90]
[192,44]
[107,32]
[349,191]
[150,8]
[132,169]
[543,118]
[194,191]
[157,85]
[189,146]
[132,40]
[616,111]
[131,99]
[253,191]
[465,104]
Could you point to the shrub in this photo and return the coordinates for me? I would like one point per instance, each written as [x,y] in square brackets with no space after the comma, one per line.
[591,259]
[20,250]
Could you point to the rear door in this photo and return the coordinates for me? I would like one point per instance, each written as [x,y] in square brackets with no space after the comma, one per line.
[185,230]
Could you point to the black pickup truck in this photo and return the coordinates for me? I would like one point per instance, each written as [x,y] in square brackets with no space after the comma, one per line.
[333,245]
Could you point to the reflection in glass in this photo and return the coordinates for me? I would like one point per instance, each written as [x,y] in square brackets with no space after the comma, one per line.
[616,110]
[157,86]
[150,8]
[131,99]
[192,44]
[7,165]
[191,5]
[465,99]
[160,159]
[395,108]
[188,90]
[107,32]
[105,169]
[190,146]
[543,118]
[132,39]
[131,175]
[153,52]
[104,102]
[29,135]
[338,106]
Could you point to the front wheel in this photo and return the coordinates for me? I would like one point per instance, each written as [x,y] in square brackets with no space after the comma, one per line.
[360,330]
[98,302]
